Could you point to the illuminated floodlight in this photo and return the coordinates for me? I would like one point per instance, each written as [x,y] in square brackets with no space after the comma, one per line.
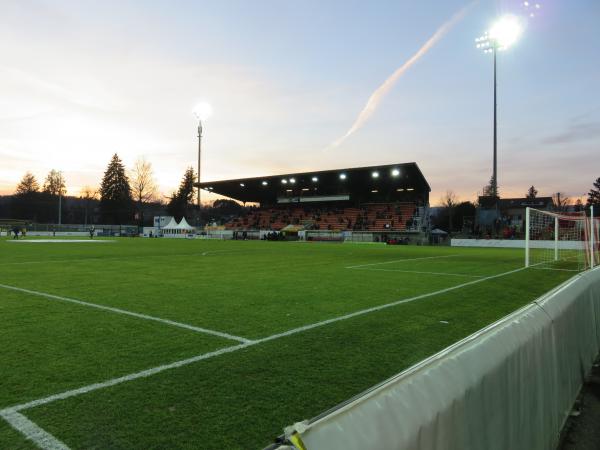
[283,181]
[315,179]
[242,184]
[292,180]
[203,110]
[264,183]
[503,33]
[342,176]
[395,172]
[374,191]
[410,189]
[305,189]
[506,31]
[288,190]
[375,174]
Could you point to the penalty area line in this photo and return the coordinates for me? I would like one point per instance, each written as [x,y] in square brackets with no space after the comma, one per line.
[420,272]
[46,441]
[401,260]
[204,356]
[31,431]
[127,313]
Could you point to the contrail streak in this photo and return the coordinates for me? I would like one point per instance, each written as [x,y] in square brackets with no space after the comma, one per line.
[377,96]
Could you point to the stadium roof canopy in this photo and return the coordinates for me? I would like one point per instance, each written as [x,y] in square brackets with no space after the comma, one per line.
[354,182]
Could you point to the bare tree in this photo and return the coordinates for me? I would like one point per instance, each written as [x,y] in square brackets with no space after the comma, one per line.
[532,193]
[27,185]
[449,201]
[143,185]
[55,183]
[561,201]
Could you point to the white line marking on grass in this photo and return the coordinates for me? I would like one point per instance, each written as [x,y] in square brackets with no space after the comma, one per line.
[128,313]
[24,426]
[60,241]
[401,260]
[31,431]
[125,378]
[152,371]
[385,306]
[114,258]
[210,252]
[554,268]
[421,272]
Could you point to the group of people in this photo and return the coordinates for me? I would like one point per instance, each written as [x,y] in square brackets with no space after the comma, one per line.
[274,236]
[16,230]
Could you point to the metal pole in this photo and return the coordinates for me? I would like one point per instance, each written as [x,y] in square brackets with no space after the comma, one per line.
[199,167]
[495,172]
[592,236]
[60,198]
[527,219]
[555,238]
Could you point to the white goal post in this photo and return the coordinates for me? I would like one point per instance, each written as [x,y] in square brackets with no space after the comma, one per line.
[563,241]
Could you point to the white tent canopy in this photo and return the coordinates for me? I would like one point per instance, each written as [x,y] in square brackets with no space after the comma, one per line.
[183,225]
[181,229]
[172,225]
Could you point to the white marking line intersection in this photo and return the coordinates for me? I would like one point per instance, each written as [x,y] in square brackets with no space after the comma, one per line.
[33,432]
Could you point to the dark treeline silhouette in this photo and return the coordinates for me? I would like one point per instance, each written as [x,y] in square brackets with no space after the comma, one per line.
[39,207]
[455,218]
[181,203]
[121,199]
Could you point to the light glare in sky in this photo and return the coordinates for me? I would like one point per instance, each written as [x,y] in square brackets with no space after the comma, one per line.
[203,110]
[506,31]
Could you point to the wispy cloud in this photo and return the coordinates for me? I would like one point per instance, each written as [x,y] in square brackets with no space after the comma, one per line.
[379,94]
[576,132]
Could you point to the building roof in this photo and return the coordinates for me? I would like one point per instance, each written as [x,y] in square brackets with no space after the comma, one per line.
[538,202]
[324,182]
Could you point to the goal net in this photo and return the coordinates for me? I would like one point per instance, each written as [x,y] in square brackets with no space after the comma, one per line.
[564,241]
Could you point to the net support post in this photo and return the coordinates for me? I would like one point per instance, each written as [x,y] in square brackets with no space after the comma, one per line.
[527,219]
[555,238]
[592,237]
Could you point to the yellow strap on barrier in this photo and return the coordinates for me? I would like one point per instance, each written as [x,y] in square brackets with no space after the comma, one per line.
[295,439]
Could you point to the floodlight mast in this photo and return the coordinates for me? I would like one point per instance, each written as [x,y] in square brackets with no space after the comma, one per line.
[502,34]
[491,46]
[199,167]
[202,111]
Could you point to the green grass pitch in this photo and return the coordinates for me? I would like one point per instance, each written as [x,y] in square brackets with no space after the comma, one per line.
[264,302]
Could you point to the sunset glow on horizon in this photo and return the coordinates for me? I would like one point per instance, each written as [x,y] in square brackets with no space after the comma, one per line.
[81,82]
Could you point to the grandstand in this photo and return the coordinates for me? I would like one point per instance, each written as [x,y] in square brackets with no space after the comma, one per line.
[391,198]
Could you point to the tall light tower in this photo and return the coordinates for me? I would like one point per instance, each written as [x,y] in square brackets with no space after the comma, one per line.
[202,111]
[504,33]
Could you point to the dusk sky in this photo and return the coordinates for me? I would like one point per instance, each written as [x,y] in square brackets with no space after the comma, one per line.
[81,80]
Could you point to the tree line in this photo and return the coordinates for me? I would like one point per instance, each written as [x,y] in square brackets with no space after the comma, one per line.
[123,197]
[455,215]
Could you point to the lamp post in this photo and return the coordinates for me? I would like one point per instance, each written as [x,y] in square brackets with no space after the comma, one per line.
[60,182]
[500,36]
[202,111]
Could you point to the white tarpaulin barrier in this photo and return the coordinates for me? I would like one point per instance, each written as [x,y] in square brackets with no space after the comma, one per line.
[516,243]
[508,386]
